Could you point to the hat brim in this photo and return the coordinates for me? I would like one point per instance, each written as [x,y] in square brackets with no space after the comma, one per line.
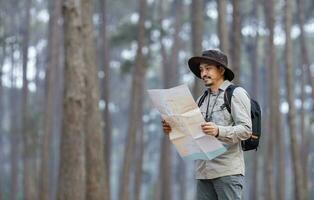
[194,65]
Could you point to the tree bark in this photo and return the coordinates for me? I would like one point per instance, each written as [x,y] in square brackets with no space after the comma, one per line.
[305,67]
[275,109]
[295,150]
[95,165]
[14,132]
[252,50]
[28,179]
[106,93]
[197,28]
[270,19]
[72,148]
[235,49]
[2,57]
[139,159]
[165,166]
[174,74]
[223,26]
[135,109]
[53,62]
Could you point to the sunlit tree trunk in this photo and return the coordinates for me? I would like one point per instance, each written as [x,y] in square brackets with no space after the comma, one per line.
[135,109]
[106,92]
[235,47]
[223,26]
[295,148]
[72,148]
[270,19]
[197,29]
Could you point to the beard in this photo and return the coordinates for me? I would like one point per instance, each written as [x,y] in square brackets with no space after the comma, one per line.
[208,84]
[208,81]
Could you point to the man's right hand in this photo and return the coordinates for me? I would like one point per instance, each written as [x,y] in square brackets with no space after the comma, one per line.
[166,127]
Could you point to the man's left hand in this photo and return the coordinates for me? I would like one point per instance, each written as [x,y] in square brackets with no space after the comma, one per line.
[210,128]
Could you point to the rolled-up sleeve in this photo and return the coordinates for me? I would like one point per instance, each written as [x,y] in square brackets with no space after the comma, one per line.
[241,114]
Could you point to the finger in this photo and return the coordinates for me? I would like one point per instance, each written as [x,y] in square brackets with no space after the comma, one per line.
[207,127]
[205,123]
[167,131]
[208,130]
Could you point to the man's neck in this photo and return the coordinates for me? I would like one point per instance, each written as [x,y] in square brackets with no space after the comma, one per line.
[215,88]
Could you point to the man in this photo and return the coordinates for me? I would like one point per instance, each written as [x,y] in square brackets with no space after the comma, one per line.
[223,177]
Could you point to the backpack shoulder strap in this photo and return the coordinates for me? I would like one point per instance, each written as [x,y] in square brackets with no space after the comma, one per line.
[200,102]
[228,95]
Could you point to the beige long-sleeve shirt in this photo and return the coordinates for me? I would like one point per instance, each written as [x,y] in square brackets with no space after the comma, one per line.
[233,128]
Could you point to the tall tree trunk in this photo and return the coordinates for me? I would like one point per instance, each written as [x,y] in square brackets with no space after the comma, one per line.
[305,67]
[270,19]
[304,50]
[58,112]
[305,134]
[275,113]
[235,49]
[106,93]
[223,26]
[28,180]
[72,147]
[265,123]
[95,165]
[136,93]
[295,150]
[197,28]
[252,50]
[139,158]
[53,63]
[2,57]
[174,74]
[14,134]
[164,188]
[2,174]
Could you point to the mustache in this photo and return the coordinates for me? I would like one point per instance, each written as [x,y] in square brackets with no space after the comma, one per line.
[206,77]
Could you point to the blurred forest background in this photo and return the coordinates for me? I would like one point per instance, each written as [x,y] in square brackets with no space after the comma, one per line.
[76,121]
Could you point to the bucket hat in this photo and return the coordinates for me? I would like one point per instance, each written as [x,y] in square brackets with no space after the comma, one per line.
[211,57]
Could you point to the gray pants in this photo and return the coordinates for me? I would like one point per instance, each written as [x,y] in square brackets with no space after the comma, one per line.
[222,188]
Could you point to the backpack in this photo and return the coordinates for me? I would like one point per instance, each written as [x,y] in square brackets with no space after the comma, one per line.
[253,141]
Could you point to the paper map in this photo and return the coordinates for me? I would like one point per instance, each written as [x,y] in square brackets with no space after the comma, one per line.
[177,106]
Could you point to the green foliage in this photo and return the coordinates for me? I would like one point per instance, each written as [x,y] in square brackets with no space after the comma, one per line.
[125,34]
[126,66]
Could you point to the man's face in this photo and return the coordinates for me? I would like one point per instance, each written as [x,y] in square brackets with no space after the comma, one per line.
[211,74]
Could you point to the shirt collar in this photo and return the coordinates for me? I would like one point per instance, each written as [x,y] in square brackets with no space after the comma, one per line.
[224,85]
